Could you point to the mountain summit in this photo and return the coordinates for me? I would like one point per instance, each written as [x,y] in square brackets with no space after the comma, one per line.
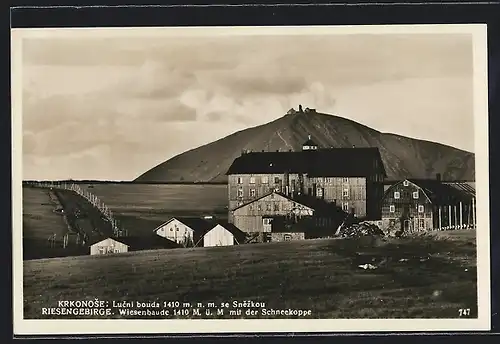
[403,157]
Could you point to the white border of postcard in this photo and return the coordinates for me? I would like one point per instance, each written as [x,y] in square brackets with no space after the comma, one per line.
[68,327]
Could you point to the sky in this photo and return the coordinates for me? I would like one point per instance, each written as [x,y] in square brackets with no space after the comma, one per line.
[110,108]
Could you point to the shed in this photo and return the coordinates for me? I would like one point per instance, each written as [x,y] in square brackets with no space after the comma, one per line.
[223,234]
[283,230]
[186,231]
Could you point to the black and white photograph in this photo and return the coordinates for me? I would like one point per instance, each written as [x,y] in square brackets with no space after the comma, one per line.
[250,179]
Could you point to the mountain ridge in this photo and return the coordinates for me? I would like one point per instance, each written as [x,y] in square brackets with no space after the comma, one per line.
[403,157]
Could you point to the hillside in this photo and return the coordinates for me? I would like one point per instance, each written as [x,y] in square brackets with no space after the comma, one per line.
[403,157]
[318,275]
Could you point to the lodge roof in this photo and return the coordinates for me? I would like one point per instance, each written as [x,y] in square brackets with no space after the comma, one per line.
[443,192]
[268,194]
[326,162]
[309,142]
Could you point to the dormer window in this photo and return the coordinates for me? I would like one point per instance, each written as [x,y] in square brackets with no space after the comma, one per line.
[406,183]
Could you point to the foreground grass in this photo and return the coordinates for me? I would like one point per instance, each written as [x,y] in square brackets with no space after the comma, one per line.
[422,277]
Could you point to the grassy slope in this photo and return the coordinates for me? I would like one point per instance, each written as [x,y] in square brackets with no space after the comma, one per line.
[321,275]
[403,157]
[39,222]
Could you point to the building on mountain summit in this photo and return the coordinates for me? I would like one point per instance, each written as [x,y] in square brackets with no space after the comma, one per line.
[351,178]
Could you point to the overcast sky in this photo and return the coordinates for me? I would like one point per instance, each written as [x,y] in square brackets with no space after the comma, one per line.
[112,108]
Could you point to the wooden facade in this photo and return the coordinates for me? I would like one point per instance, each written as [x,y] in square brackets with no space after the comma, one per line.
[256,215]
[108,246]
[351,178]
[353,194]
[218,236]
[176,231]
[287,236]
[412,205]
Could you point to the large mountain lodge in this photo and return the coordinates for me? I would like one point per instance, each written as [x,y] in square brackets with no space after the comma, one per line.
[351,178]
[352,181]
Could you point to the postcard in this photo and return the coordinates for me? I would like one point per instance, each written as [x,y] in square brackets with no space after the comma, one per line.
[250,179]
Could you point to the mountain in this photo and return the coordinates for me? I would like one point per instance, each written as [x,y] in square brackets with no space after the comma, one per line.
[403,157]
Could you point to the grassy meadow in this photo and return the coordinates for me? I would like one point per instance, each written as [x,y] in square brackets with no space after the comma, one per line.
[428,276]
[138,208]
[142,207]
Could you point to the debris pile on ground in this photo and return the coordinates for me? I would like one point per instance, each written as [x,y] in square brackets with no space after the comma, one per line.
[357,230]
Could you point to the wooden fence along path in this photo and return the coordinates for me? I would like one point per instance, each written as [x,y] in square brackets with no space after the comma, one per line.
[82,237]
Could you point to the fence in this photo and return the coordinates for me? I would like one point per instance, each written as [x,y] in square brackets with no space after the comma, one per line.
[118,230]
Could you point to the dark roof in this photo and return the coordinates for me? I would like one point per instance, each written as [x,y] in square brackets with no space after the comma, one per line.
[267,194]
[147,242]
[441,193]
[330,162]
[309,142]
[465,187]
[320,206]
[283,224]
[197,224]
[238,234]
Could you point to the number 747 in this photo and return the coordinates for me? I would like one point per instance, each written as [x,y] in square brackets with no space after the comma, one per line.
[463,312]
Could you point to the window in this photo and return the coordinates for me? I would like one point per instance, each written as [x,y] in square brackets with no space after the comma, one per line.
[252,180]
[276,180]
[345,206]
[252,192]
[287,237]
[240,203]
[420,208]
[117,250]
[406,183]
[171,229]
[101,250]
[415,195]
[397,195]
[266,221]
[268,206]
[250,207]
[319,192]
[240,180]
[345,180]
[345,193]
[276,207]
[240,193]
[265,179]
[421,223]
[392,208]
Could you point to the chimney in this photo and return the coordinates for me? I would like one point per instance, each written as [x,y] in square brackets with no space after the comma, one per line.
[438,177]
